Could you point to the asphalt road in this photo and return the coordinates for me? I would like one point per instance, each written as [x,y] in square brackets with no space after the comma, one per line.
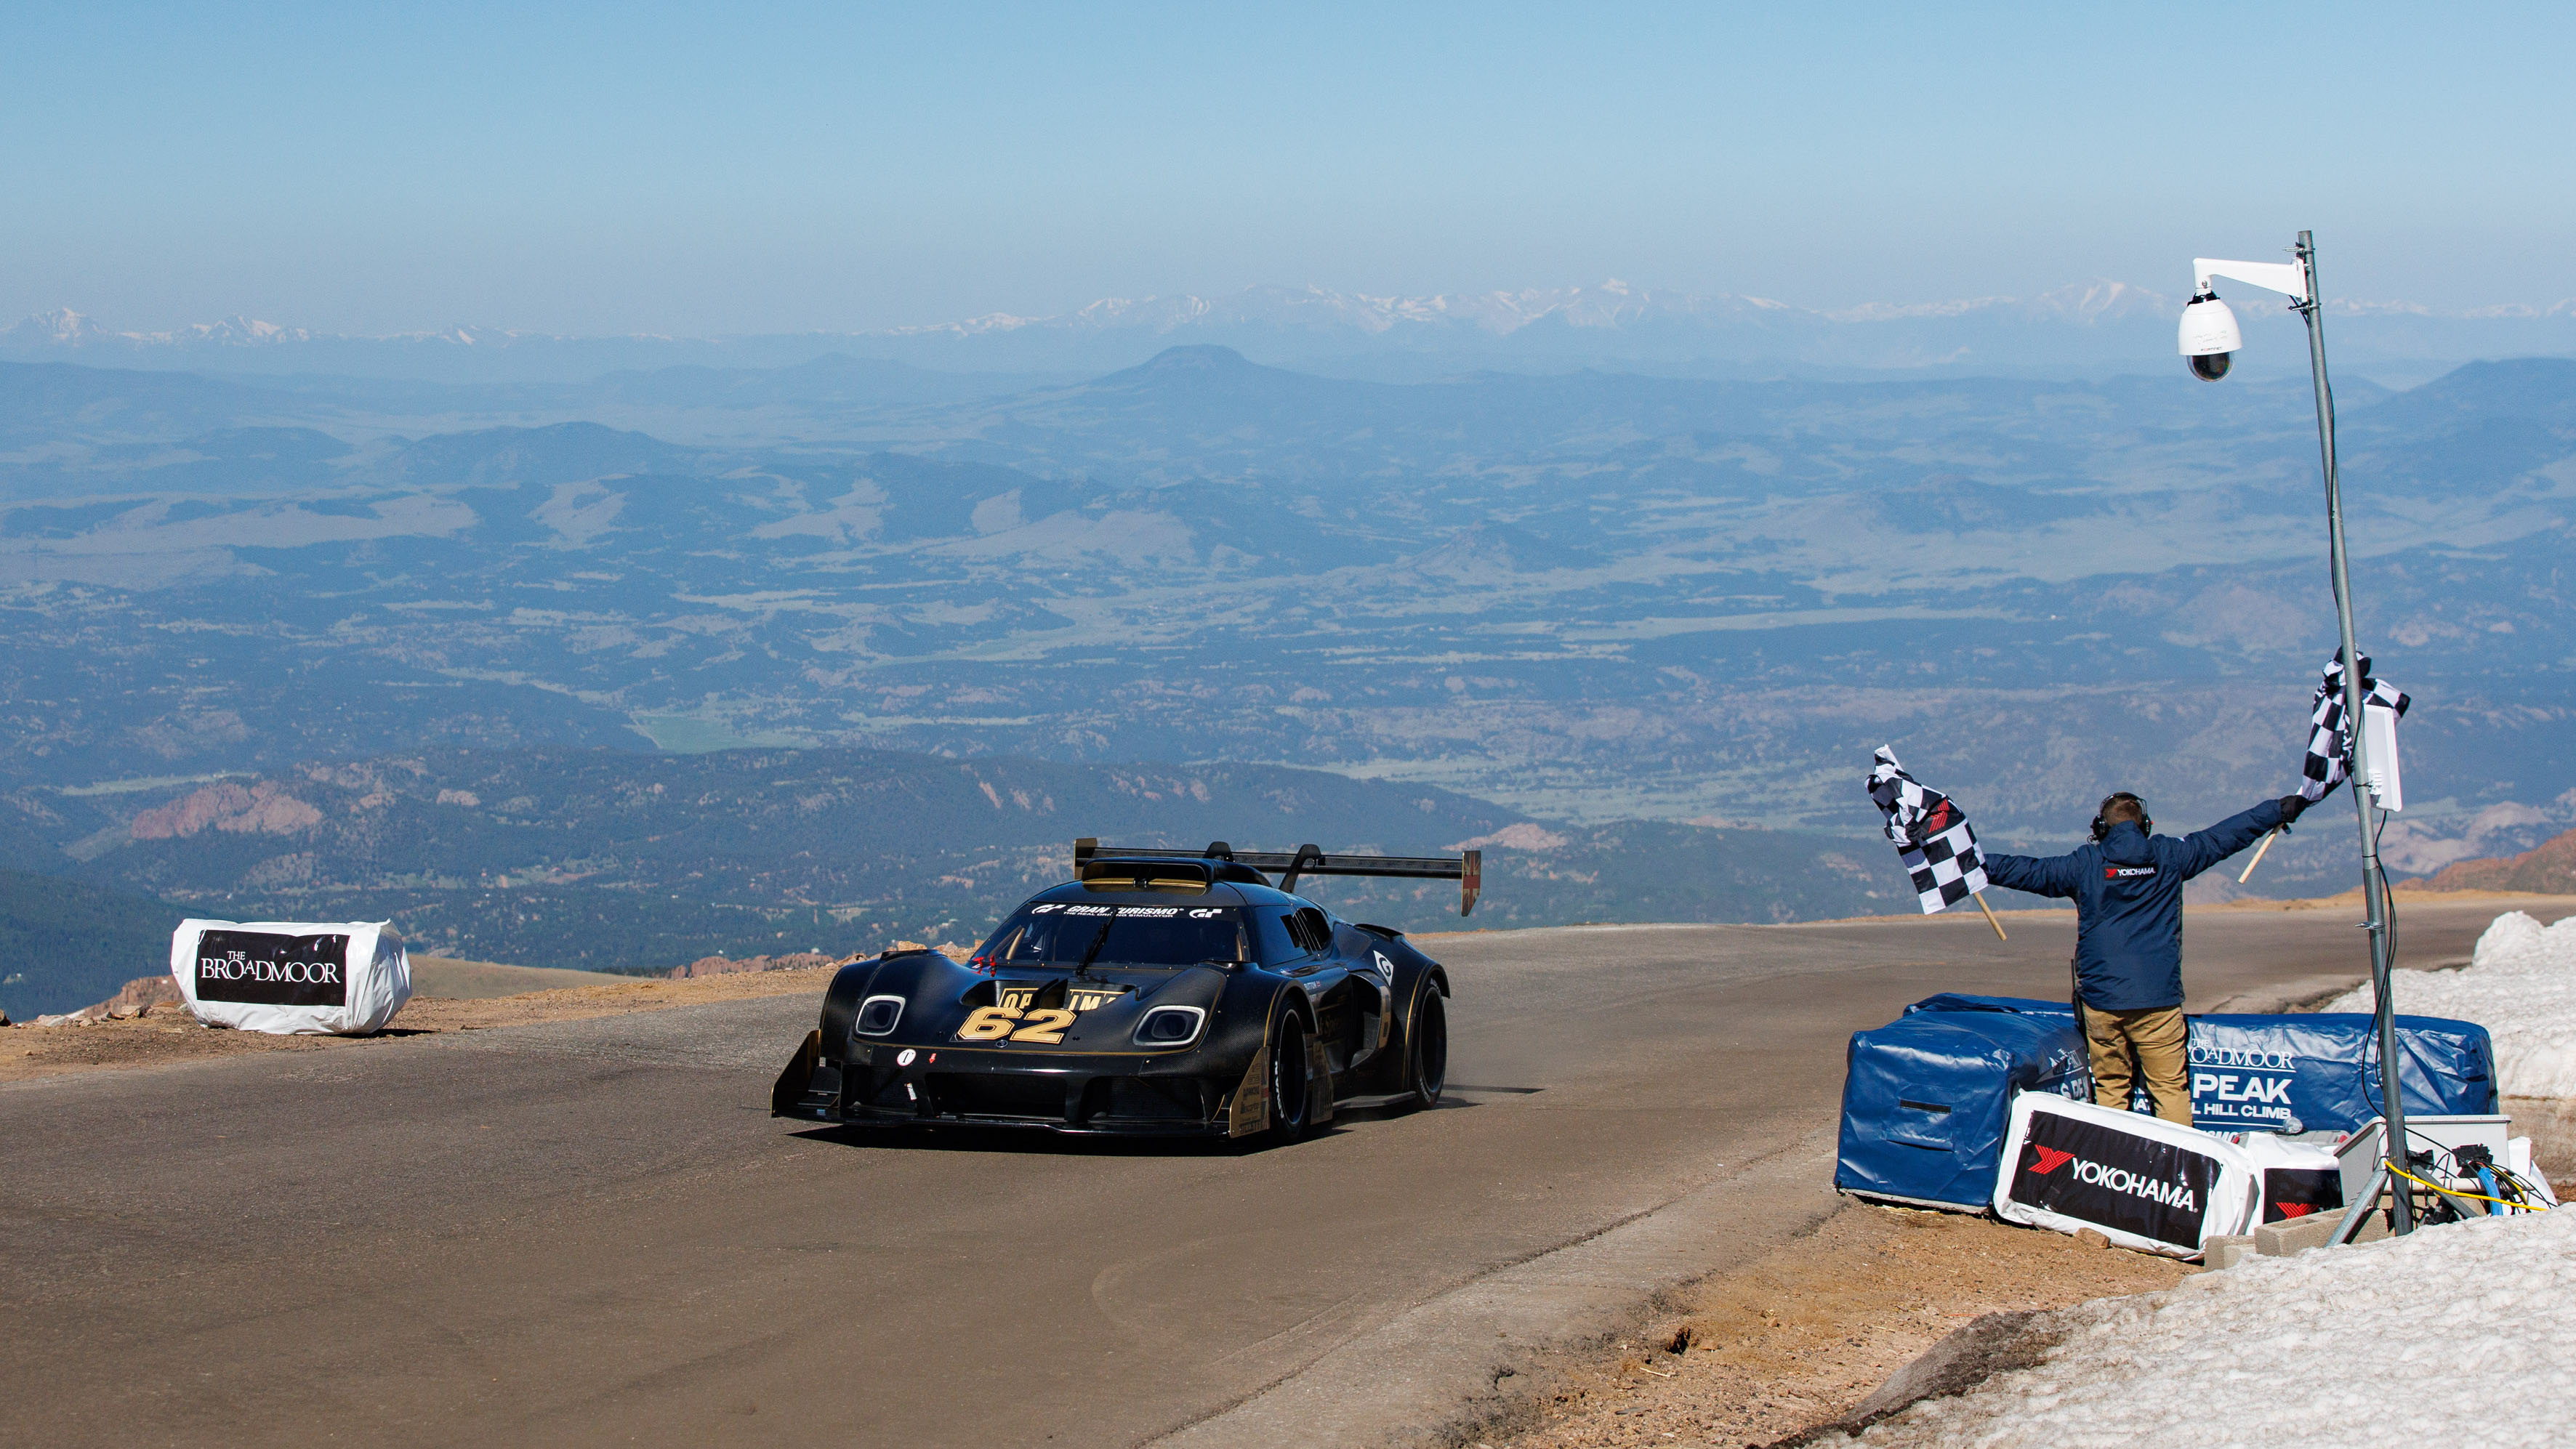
[592,1232]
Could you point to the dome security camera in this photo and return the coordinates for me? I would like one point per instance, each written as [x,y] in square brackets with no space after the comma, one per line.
[2208,335]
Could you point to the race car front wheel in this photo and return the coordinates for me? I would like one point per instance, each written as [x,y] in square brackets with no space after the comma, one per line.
[1426,1055]
[1288,1081]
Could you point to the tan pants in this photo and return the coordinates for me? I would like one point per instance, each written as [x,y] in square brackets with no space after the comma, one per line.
[2156,1036]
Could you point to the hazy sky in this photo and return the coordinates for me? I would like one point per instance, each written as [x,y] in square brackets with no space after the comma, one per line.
[628,168]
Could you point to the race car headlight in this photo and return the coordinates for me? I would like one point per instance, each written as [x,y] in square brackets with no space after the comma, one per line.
[1171,1026]
[877,1015]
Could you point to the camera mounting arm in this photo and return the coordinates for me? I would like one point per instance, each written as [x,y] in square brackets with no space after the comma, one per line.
[2288,278]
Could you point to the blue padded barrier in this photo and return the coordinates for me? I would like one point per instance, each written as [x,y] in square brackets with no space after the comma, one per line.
[1925,1097]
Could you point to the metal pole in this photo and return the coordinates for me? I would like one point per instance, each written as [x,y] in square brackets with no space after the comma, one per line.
[2384,1015]
[2358,1211]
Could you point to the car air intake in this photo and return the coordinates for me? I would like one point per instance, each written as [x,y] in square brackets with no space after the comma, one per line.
[1149,1099]
[978,1095]
[1170,1026]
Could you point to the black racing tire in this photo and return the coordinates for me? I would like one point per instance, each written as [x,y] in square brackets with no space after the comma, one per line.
[1291,1082]
[1426,1053]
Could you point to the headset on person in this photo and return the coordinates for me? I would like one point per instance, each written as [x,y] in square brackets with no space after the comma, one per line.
[2102,828]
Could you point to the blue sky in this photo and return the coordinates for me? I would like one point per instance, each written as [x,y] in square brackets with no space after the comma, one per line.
[632,168]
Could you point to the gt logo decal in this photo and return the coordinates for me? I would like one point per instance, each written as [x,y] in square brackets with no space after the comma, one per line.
[1044,1026]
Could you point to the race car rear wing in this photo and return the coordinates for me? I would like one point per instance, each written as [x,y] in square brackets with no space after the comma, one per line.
[1467,870]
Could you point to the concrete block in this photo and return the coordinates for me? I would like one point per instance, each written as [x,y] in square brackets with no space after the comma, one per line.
[2227,1250]
[2297,1235]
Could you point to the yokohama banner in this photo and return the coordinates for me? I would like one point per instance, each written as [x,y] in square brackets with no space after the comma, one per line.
[2148,1184]
[292,978]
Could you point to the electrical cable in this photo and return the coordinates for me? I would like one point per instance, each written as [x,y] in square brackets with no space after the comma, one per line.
[2455,1192]
[2487,1179]
[2530,1199]
[2387,902]
[2387,894]
[2522,1185]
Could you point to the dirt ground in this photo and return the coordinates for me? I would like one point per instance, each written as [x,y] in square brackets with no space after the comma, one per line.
[1803,1335]
[469,980]
[170,1034]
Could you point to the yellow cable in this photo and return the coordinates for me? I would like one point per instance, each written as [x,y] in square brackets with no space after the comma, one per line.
[2456,1192]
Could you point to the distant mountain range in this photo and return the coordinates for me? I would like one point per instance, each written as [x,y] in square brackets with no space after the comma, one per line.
[621,859]
[2094,325]
[1588,596]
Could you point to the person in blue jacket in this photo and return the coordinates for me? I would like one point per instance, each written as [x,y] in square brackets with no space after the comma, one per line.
[2127,889]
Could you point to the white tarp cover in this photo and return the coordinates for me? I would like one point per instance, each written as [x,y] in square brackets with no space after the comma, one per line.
[2295,1178]
[292,978]
[2146,1183]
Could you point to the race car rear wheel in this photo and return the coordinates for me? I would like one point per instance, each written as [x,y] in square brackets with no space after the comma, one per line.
[1289,1081]
[1426,1055]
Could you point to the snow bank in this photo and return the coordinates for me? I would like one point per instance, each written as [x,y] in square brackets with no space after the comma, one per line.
[2520,985]
[2459,1334]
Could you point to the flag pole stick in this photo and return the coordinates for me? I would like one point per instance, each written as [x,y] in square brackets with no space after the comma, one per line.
[1980,899]
[2248,873]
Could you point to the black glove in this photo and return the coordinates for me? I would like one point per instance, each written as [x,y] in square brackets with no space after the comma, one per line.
[2291,805]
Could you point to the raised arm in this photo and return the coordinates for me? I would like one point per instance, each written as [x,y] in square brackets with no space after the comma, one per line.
[2054,875]
[2204,848]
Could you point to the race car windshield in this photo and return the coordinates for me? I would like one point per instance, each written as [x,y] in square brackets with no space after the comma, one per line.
[1059,935]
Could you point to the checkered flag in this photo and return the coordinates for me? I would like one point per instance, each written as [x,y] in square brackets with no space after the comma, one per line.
[2329,758]
[1931,835]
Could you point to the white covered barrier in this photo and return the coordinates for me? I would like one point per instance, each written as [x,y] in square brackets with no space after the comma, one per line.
[2298,1178]
[292,978]
[2145,1183]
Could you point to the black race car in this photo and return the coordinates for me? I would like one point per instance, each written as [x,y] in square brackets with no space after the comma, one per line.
[1159,992]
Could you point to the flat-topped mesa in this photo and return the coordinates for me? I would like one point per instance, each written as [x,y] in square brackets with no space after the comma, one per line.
[2548,869]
